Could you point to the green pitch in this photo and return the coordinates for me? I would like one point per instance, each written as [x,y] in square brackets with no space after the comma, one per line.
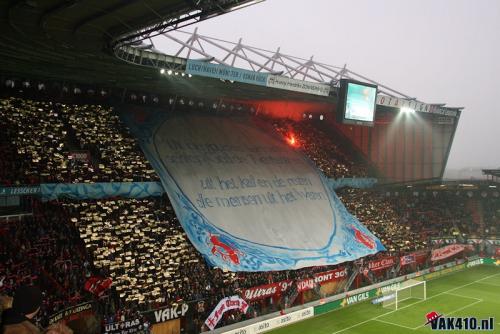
[471,292]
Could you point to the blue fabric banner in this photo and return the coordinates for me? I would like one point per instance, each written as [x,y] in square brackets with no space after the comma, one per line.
[51,191]
[246,199]
[352,182]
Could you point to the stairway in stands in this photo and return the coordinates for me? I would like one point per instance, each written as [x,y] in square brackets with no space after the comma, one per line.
[475,207]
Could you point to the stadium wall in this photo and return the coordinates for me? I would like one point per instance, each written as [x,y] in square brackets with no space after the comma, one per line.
[403,147]
[298,313]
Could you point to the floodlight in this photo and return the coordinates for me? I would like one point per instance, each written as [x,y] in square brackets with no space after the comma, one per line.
[407,110]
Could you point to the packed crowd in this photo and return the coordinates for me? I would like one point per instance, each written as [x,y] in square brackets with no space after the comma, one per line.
[327,154]
[98,130]
[41,249]
[447,214]
[491,214]
[382,218]
[378,214]
[437,215]
[139,243]
[142,247]
[48,142]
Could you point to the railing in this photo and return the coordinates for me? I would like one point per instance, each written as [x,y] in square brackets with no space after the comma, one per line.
[353,276]
[14,218]
[149,58]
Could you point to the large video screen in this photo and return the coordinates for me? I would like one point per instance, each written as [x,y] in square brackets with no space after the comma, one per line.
[357,102]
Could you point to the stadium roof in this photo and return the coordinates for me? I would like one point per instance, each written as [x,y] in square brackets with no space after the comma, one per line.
[70,39]
[73,42]
[492,172]
[77,41]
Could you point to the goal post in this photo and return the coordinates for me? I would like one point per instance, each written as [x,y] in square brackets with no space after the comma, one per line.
[411,289]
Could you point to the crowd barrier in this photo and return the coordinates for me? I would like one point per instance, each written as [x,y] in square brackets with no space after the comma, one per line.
[273,323]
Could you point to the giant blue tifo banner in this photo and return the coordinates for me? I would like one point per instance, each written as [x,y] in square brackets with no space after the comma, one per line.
[51,191]
[247,200]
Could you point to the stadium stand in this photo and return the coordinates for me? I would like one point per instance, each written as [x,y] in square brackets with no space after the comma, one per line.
[380,216]
[98,130]
[327,155]
[149,259]
[68,77]
[437,216]
[442,214]
[491,214]
[43,249]
[43,135]
[140,244]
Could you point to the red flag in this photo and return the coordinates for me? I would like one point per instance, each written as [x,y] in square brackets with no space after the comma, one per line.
[98,285]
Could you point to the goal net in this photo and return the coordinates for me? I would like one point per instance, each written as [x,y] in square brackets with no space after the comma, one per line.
[411,289]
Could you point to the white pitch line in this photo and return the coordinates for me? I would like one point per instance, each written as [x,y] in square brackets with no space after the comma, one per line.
[460,309]
[454,294]
[392,323]
[466,306]
[486,283]
[420,301]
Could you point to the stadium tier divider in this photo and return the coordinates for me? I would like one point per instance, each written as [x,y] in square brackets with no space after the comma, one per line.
[352,182]
[98,190]
[80,191]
